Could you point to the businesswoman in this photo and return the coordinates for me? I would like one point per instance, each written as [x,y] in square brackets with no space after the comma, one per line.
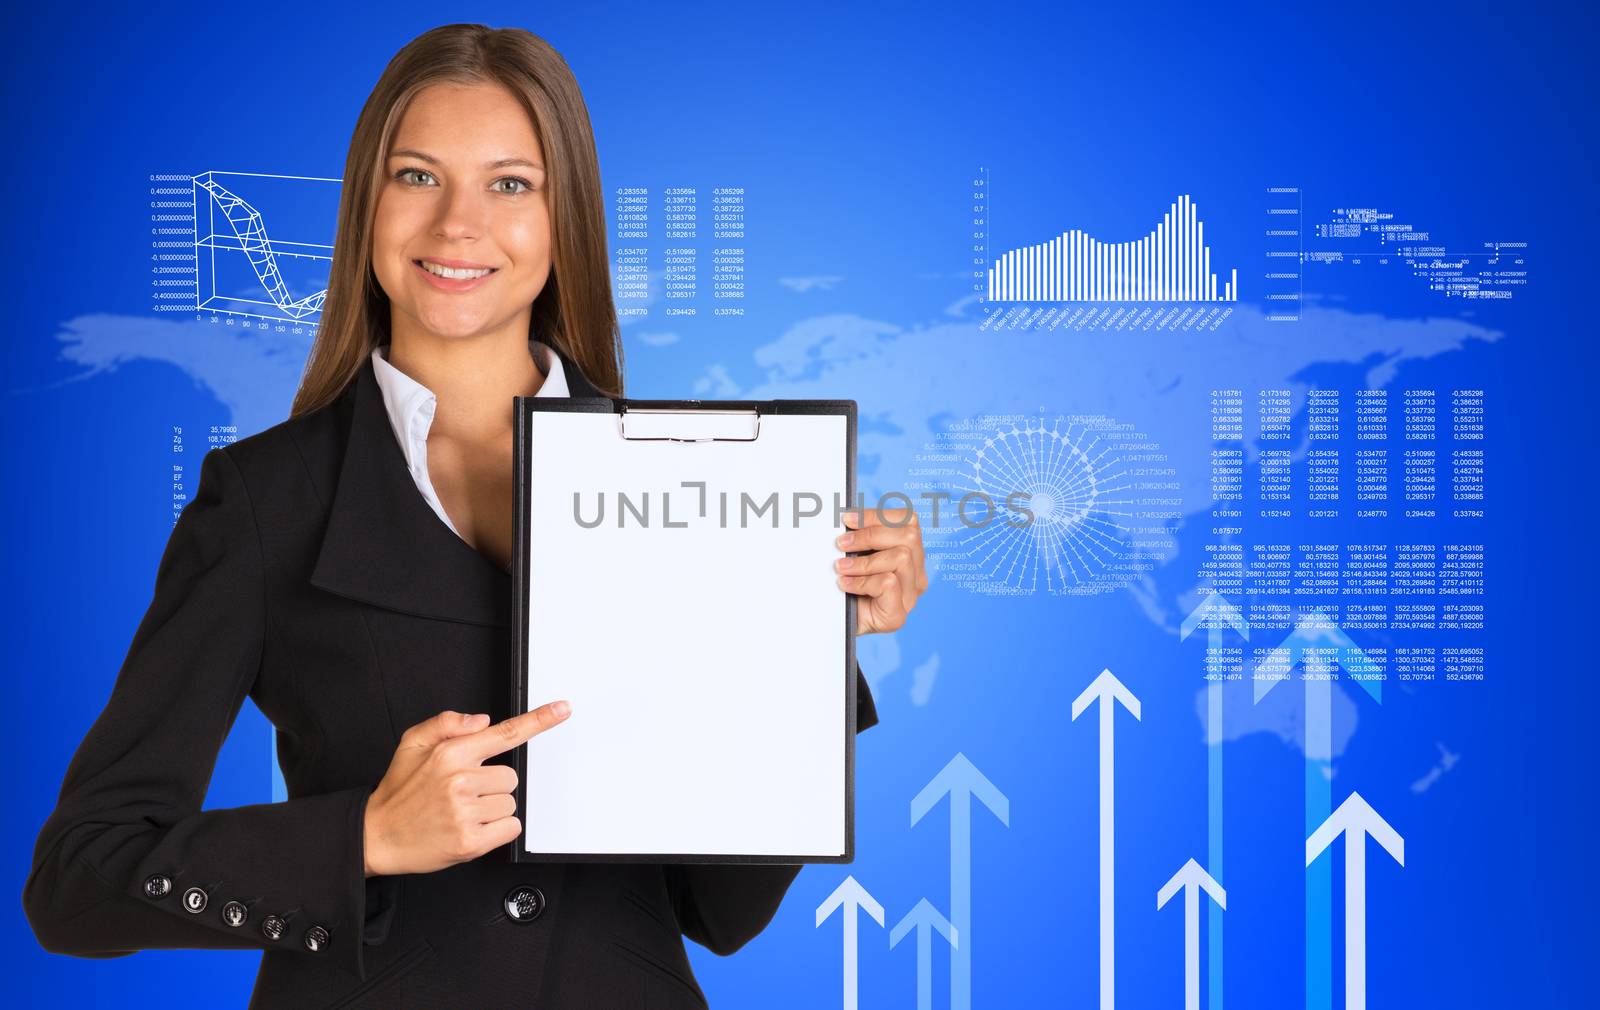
[347,570]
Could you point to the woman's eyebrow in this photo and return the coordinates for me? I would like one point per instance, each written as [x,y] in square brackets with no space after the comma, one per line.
[406,152]
[508,162]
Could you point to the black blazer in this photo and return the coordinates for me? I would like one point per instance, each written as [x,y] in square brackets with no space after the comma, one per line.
[309,574]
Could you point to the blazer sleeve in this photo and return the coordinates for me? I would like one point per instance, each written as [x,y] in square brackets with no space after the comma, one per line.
[115,861]
[723,907]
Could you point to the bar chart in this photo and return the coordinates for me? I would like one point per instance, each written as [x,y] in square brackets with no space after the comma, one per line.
[1170,264]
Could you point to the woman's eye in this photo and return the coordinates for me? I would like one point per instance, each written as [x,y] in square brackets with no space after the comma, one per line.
[510,185]
[514,181]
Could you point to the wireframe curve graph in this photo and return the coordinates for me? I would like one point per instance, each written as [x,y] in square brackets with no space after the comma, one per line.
[244,268]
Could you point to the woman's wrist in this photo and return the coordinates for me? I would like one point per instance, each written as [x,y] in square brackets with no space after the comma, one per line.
[369,841]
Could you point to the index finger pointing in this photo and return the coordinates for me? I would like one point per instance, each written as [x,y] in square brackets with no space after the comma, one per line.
[512,732]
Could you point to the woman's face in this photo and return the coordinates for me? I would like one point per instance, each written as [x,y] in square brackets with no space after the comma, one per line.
[464,195]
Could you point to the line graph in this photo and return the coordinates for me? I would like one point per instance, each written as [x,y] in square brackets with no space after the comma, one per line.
[262,244]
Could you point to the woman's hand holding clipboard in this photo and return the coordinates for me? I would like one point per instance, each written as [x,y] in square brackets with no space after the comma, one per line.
[891,571]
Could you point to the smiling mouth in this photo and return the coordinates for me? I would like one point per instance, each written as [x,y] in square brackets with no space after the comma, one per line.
[454,273]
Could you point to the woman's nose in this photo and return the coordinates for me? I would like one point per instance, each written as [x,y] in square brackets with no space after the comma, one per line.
[460,215]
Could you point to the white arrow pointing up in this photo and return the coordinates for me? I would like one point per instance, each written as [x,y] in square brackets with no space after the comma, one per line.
[925,919]
[962,782]
[1193,880]
[1216,614]
[849,896]
[1109,692]
[1356,821]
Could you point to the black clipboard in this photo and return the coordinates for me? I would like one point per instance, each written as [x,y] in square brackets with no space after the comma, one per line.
[642,414]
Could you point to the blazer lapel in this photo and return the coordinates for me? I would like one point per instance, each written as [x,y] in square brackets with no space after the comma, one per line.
[577,383]
[385,546]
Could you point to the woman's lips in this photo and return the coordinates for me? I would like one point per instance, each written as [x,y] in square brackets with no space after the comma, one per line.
[451,284]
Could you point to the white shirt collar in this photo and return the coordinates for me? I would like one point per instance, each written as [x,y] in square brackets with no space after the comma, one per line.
[410,407]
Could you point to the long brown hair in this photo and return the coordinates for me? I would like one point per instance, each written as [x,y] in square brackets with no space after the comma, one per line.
[574,311]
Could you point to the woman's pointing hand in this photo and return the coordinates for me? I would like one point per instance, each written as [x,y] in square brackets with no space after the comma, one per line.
[438,804]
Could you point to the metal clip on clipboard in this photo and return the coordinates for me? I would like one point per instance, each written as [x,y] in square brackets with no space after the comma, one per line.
[712,425]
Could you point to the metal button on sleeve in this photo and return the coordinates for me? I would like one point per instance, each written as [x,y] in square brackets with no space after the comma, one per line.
[316,939]
[273,927]
[234,914]
[194,900]
[157,886]
[524,903]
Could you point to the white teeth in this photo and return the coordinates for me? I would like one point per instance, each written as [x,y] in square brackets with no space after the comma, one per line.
[453,273]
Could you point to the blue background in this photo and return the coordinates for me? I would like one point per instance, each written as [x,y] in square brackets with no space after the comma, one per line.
[857,133]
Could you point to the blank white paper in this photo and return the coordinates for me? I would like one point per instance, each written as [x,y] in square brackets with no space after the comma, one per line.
[705,665]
